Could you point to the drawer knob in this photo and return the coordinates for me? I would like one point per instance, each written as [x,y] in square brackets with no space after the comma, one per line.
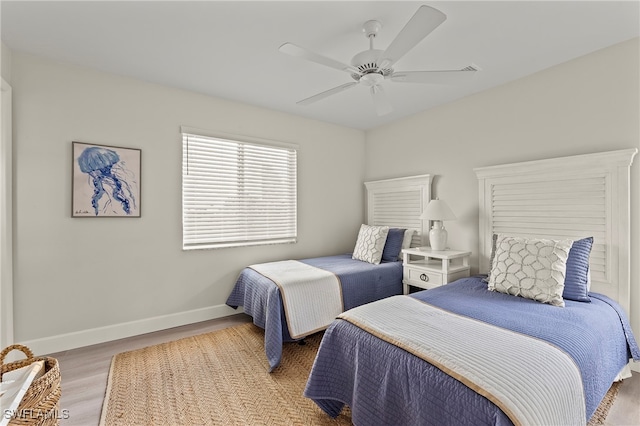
[424,277]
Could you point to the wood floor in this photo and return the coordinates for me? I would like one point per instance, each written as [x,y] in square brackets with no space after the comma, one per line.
[84,375]
[84,371]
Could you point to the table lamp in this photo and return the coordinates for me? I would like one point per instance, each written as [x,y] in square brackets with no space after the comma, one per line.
[438,211]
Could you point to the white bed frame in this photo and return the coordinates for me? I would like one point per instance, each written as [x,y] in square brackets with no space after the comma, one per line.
[398,203]
[569,197]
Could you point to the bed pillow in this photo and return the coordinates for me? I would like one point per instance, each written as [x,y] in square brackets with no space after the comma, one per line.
[370,243]
[393,245]
[577,280]
[531,268]
[406,241]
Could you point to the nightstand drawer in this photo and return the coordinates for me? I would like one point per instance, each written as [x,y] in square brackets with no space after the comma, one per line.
[427,269]
[421,278]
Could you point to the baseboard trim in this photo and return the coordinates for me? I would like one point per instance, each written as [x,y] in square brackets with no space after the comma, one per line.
[92,336]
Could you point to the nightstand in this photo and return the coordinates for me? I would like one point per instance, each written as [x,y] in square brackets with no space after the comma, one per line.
[426,268]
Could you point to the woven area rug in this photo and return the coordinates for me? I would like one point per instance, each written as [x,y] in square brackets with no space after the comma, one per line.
[217,378]
[221,378]
[598,418]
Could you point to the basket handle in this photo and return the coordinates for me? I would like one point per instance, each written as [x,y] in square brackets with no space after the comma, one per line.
[8,349]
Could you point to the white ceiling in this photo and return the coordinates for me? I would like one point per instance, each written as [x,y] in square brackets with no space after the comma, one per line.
[230,49]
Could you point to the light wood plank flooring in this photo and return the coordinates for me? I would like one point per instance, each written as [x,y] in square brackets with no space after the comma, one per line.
[84,374]
[84,371]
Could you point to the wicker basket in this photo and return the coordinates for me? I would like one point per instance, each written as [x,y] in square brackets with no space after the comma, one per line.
[40,404]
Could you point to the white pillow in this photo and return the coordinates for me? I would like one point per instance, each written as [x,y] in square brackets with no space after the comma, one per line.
[370,243]
[406,242]
[531,268]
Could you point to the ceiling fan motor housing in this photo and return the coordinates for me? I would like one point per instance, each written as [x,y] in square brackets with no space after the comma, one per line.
[367,62]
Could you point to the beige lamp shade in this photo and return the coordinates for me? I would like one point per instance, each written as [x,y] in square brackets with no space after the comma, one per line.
[438,210]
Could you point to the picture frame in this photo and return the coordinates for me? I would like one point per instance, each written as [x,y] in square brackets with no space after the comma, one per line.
[105,181]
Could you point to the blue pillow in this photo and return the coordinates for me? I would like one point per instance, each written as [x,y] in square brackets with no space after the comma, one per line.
[576,281]
[393,245]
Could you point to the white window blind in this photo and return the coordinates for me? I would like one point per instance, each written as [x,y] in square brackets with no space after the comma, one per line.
[237,193]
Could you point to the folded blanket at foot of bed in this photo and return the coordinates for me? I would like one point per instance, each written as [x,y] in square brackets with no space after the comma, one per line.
[312,297]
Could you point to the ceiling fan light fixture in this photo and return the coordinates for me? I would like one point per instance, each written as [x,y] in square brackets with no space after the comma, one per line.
[371,79]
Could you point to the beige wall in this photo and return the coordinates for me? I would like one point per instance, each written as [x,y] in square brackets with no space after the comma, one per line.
[83,279]
[587,105]
[5,62]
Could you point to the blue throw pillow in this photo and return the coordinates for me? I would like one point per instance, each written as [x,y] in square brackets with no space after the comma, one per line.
[393,245]
[576,278]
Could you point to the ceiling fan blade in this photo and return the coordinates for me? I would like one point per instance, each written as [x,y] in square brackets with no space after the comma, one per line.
[327,93]
[301,52]
[421,24]
[380,101]
[436,77]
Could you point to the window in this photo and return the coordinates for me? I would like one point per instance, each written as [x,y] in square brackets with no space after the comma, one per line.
[237,193]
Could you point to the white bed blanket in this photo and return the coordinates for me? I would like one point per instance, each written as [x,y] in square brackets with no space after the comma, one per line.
[312,297]
[533,382]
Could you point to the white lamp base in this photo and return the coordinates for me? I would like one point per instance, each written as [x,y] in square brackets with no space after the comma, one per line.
[438,236]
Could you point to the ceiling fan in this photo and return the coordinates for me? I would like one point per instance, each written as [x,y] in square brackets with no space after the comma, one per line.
[371,67]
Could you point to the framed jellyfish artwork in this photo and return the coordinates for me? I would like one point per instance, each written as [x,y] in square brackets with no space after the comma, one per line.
[106,181]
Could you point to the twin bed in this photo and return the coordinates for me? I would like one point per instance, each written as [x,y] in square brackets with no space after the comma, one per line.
[361,283]
[493,349]
[389,376]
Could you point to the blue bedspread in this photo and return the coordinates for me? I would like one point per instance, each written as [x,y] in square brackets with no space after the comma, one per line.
[361,282]
[386,385]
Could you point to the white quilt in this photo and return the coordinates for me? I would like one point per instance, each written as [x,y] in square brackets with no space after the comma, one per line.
[312,297]
[533,382]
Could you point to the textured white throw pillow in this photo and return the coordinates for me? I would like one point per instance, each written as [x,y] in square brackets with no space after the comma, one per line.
[531,268]
[370,243]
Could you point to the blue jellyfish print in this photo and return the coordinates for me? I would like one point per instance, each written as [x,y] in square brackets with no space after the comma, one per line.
[106,171]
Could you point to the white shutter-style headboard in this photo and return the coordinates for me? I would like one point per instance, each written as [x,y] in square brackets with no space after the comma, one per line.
[570,197]
[398,203]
